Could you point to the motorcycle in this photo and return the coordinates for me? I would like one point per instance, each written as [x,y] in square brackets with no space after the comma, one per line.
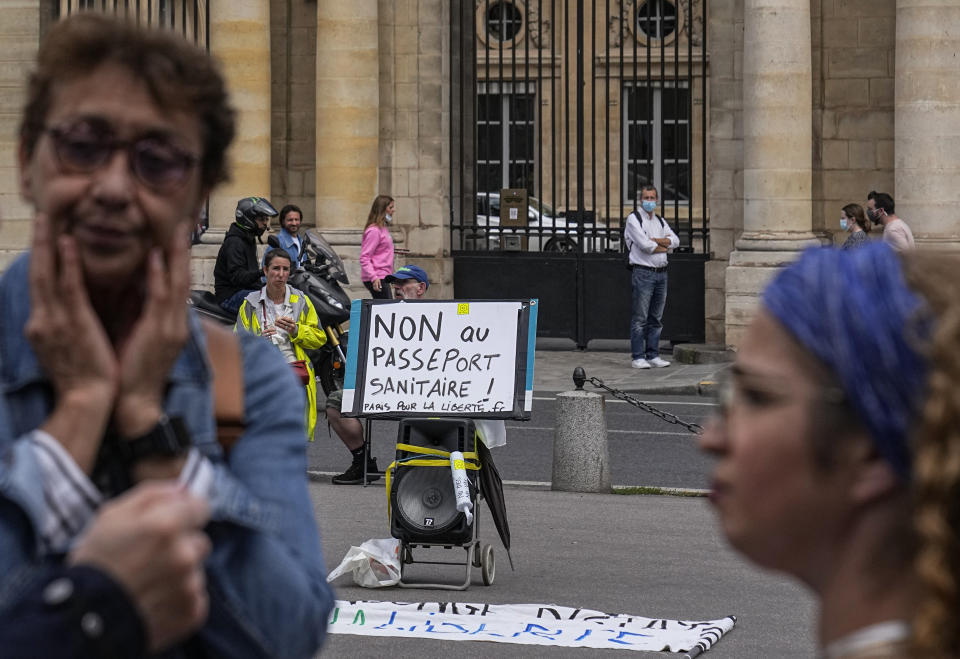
[320,278]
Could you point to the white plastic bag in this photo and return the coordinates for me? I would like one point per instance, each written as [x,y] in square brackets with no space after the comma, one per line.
[493,432]
[375,563]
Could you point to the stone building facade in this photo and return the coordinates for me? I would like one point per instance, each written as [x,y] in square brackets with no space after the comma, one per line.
[337,102]
[810,104]
[814,103]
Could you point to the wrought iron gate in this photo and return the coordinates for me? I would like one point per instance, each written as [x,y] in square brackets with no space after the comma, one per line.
[577,103]
[189,17]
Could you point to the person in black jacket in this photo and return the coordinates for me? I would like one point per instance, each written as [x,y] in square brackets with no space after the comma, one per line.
[237,271]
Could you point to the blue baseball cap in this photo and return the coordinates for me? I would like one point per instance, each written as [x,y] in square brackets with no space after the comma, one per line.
[408,272]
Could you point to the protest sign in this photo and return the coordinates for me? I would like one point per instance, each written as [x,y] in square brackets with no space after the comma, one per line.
[527,624]
[410,358]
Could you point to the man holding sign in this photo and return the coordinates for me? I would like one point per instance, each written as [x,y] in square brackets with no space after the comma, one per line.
[409,283]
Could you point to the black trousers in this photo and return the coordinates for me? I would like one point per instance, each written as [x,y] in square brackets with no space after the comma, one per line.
[383,294]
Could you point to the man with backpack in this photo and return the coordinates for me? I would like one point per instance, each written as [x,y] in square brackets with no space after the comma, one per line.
[648,238]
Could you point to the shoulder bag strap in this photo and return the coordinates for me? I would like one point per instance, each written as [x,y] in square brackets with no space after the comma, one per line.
[635,214]
[223,348]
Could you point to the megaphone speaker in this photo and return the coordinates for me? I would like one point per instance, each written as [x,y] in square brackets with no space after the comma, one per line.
[422,497]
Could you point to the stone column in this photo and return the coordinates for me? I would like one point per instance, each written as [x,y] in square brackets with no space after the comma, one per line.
[414,161]
[777,148]
[20,36]
[347,111]
[240,40]
[927,120]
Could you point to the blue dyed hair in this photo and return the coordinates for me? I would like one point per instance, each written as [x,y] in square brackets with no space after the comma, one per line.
[870,336]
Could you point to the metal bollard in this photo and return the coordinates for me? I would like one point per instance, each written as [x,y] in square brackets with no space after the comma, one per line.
[581,460]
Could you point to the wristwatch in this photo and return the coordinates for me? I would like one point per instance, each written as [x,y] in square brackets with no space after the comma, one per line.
[168,439]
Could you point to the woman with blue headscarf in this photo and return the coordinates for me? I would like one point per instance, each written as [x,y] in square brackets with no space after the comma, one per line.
[838,446]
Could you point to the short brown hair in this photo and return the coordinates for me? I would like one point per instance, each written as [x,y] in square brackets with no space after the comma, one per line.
[276,253]
[178,75]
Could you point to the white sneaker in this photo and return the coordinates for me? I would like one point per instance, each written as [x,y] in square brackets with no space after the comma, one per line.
[659,363]
[640,363]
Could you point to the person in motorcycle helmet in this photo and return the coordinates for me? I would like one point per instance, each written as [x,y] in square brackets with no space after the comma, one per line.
[237,272]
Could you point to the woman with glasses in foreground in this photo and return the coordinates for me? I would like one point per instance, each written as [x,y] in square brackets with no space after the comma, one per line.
[838,446]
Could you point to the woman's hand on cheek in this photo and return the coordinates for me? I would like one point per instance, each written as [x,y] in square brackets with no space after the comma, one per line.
[71,345]
[157,338]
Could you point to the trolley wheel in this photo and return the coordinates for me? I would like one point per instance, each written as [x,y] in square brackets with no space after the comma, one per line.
[488,565]
[475,552]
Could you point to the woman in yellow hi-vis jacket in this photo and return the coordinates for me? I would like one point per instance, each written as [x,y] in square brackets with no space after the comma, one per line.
[286,317]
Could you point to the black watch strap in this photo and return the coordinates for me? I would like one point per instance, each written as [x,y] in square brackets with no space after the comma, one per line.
[168,439]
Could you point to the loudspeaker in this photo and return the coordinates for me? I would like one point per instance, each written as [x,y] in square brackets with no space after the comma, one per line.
[422,499]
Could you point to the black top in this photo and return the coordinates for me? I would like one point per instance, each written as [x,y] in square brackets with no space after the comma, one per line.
[237,267]
[72,612]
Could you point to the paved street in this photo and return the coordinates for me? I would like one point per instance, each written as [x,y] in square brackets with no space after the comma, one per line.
[652,556]
[644,450]
[646,555]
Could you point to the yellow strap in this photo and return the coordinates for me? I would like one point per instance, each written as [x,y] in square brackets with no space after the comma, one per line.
[410,448]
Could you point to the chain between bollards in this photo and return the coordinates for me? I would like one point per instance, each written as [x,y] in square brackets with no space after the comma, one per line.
[580,377]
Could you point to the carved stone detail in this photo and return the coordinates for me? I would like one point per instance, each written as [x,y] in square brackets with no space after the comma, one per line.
[618,23]
[694,32]
[540,31]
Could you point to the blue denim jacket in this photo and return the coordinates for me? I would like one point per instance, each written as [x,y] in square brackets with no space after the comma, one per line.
[286,242]
[266,575]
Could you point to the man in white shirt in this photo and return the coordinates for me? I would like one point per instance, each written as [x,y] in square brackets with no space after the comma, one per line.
[648,239]
[896,232]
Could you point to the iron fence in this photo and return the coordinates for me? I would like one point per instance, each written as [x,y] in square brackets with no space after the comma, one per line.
[579,103]
[189,17]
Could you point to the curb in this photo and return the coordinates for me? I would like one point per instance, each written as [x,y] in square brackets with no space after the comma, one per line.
[689,389]
[708,387]
[318,476]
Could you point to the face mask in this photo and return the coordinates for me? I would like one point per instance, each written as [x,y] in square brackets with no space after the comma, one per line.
[648,206]
[843,223]
[874,215]
[388,217]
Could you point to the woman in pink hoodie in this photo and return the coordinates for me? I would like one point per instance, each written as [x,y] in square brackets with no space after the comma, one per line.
[376,248]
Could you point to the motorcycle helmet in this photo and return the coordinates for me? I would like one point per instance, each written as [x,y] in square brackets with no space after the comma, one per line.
[249,209]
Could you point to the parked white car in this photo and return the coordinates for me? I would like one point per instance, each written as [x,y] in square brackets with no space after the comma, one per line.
[546,230]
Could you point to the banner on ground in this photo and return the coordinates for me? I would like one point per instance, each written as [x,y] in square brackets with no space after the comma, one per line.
[425,358]
[527,624]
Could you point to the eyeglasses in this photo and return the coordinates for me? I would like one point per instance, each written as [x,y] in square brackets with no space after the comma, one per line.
[85,146]
[730,392]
